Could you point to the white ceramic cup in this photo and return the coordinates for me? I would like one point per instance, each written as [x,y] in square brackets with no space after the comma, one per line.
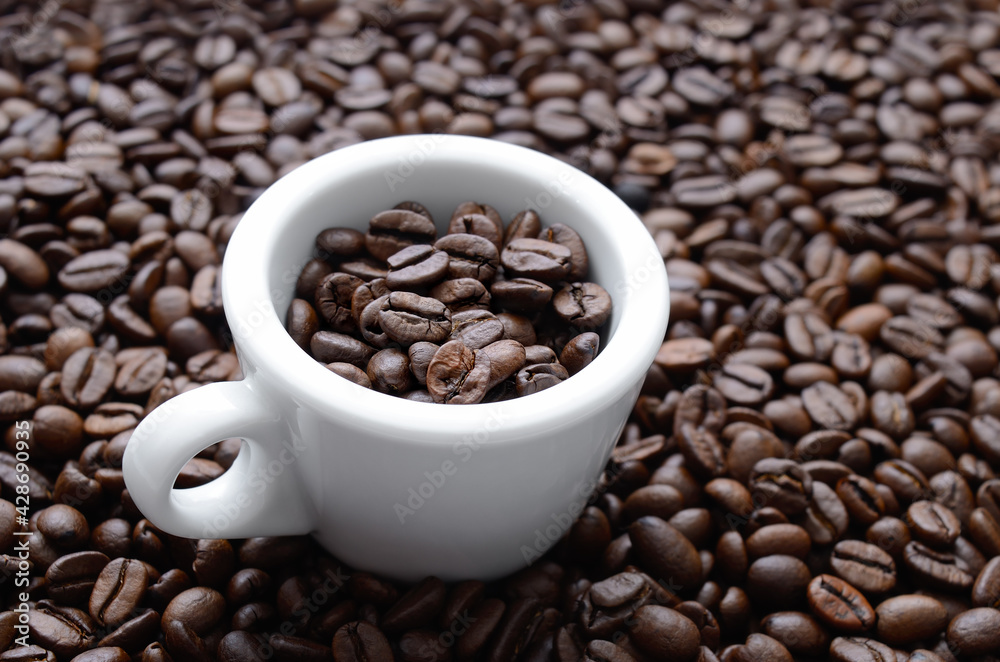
[405,489]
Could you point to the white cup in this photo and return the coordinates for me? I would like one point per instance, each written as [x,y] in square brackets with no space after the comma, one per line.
[405,489]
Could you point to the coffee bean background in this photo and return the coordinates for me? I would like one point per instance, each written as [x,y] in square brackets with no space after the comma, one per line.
[811,470]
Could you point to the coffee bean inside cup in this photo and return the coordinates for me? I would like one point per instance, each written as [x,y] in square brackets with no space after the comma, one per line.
[458,319]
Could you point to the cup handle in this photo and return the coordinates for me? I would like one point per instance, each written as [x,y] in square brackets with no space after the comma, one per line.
[254,497]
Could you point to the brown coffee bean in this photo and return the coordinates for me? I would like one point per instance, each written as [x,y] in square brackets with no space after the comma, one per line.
[198,608]
[470,255]
[359,641]
[86,377]
[859,649]
[865,566]
[536,259]
[933,523]
[416,266]
[829,406]
[975,632]
[23,264]
[778,582]
[393,230]
[861,498]
[579,352]
[666,552]
[476,328]
[839,604]
[940,569]
[333,300]
[94,271]
[71,578]
[663,632]
[782,484]
[906,619]
[389,372]
[800,633]
[703,453]
[118,590]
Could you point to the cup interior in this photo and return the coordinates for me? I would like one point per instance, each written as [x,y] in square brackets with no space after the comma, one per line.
[275,240]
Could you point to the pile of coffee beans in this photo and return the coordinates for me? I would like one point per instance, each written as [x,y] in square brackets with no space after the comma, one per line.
[811,470]
[485,313]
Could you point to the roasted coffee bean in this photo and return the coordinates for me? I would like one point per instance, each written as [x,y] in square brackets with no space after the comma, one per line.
[800,633]
[536,259]
[743,384]
[416,266]
[117,592]
[71,578]
[666,551]
[865,566]
[839,605]
[906,619]
[393,230]
[469,256]
[778,582]
[476,328]
[389,371]
[333,303]
[406,318]
[538,377]
[520,294]
[933,523]
[584,305]
[782,484]
[579,352]
[860,649]
[330,347]
[86,376]
[301,322]
[829,406]
[939,569]
[340,242]
[975,632]
[359,641]
[663,632]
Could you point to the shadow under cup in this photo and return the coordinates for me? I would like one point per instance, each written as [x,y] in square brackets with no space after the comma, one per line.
[372,506]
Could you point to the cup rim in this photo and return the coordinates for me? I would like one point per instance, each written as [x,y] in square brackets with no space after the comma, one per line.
[268,352]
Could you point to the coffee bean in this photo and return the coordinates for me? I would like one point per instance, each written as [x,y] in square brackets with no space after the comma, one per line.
[778,582]
[86,377]
[865,566]
[800,633]
[358,641]
[276,86]
[117,591]
[829,406]
[71,578]
[389,371]
[984,593]
[663,549]
[975,632]
[94,271]
[536,259]
[933,523]
[476,328]
[839,604]
[662,632]
[406,318]
[470,256]
[859,649]
[939,569]
[416,266]
[519,294]
[782,484]
[393,230]
[909,618]
[23,264]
